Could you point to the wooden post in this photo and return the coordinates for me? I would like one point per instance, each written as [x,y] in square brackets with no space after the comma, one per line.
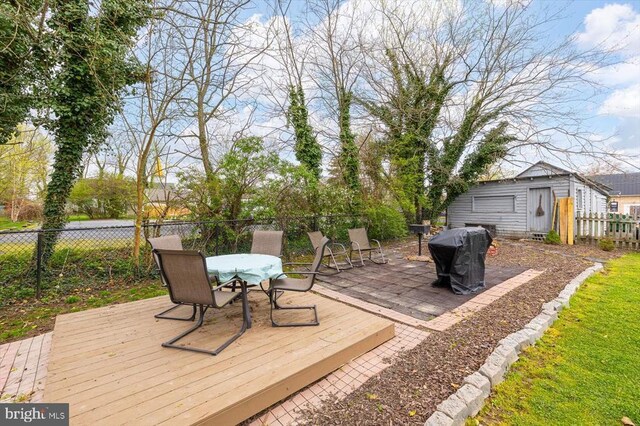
[570,220]
[563,220]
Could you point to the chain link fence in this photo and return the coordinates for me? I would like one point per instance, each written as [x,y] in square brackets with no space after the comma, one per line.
[90,257]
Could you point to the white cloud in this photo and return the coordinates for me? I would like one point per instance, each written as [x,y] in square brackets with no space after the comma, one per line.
[623,102]
[614,26]
[623,73]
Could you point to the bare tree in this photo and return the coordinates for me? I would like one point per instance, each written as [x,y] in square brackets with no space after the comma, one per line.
[336,58]
[151,114]
[220,50]
[455,89]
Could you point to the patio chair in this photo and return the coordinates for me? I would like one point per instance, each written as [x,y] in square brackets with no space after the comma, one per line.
[168,242]
[334,250]
[185,272]
[267,242]
[360,243]
[284,284]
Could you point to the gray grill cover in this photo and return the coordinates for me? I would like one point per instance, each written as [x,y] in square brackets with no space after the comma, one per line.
[459,256]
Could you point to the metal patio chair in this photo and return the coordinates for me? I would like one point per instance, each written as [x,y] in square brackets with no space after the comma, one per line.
[334,250]
[267,242]
[360,243]
[284,284]
[185,273]
[168,242]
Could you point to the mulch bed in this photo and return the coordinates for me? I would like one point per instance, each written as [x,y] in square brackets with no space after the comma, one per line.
[408,391]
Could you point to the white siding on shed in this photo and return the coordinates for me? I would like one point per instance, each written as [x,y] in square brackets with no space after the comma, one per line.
[493,203]
[513,223]
[592,200]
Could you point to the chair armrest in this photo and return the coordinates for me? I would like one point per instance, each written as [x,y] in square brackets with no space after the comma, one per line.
[227,284]
[377,242]
[344,249]
[295,273]
[356,244]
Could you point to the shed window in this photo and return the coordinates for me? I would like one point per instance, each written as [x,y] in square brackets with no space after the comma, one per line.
[494,204]
[579,199]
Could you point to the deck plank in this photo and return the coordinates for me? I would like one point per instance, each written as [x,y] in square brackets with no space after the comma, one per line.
[109,365]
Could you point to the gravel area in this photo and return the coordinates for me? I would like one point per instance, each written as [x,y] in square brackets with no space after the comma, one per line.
[408,391]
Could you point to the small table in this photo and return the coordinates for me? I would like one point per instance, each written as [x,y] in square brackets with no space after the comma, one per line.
[249,269]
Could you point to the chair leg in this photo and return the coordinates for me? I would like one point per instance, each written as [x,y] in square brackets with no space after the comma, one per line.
[334,269]
[162,315]
[348,261]
[335,263]
[275,306]
[171,343]
[361,258]
[382,260]
[339,267]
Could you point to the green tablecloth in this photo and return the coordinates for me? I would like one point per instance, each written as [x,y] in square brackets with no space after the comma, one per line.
[252,268]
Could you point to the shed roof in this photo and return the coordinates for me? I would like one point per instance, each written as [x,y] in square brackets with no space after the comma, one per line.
[548,170]
[621,183]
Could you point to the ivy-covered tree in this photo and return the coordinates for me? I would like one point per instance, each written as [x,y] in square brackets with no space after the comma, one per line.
[410,114]
[78,64]
[307,148]
[450,167]
[349,159]
[16,44]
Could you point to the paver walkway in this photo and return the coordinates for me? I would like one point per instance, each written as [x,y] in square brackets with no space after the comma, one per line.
[345,380]
[406,286]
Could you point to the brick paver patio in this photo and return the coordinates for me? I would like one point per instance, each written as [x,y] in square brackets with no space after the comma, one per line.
[405,286]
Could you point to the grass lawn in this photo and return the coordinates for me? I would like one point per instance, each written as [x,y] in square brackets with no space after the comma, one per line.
[7,225]
[586,368]
[35,317]
[78,217]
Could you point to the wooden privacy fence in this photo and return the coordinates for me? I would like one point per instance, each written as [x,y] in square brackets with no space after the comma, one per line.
[623,230]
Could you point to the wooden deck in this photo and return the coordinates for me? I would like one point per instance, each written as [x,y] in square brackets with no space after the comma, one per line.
[109,365]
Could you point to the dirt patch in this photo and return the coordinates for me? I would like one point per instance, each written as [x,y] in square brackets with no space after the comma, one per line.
[409,390]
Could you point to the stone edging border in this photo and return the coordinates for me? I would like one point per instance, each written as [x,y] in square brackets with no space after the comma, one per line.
[469,398]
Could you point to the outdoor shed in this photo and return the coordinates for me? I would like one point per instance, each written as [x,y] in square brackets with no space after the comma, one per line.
[512,207]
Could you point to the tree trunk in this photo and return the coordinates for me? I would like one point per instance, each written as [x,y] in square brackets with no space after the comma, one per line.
[140,185]
[141,180]
[66,166]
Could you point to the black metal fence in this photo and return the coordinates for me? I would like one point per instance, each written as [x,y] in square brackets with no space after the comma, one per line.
[92,256]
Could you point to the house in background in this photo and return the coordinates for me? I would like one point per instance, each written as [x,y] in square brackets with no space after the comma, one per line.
[522,206]
[624,197]
[163,201]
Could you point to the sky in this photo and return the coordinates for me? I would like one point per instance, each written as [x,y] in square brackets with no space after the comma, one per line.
[615,25]
[615,110]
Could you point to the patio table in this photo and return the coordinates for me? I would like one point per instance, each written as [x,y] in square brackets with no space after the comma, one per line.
[249,269]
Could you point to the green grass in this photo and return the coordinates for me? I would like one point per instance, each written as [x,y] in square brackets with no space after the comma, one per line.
[7,225]
[586,368]
[82,217]
[78,217]
[37,317]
